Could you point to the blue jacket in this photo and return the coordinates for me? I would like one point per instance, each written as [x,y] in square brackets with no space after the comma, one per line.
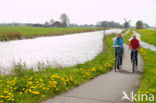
[119,42]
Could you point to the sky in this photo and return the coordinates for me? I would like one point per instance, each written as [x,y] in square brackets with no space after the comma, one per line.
[78,11]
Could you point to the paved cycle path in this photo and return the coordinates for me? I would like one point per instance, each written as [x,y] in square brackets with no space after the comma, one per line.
[106,88]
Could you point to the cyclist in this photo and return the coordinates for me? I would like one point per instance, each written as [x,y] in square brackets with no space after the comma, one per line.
[134,45]
[119,41]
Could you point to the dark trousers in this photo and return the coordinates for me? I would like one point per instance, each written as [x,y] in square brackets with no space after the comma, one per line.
[121,55]
[134,52]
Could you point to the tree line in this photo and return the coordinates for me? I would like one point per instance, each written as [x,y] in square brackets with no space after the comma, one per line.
[140,25]
[64,22]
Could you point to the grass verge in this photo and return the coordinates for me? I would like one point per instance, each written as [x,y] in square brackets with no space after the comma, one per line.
[28,86]
[148,35]
[21,32]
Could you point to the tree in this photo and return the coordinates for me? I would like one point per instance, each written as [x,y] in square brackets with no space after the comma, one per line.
[51,21]
[64,20]
[110,24]
[146,25]
[46,23]
[139,25]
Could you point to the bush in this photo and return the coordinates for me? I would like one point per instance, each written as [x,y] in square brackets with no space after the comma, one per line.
[11,35]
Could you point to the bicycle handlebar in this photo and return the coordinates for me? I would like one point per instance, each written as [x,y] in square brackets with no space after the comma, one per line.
[116,46]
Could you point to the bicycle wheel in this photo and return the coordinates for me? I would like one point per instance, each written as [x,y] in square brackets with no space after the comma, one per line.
[115,65]
[118,64]
[133,68]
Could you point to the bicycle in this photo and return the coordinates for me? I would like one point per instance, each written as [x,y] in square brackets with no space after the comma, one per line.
[117,57]
[133,60]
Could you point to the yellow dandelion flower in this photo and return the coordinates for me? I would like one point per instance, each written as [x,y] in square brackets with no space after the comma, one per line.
[15,78]
[71,78]
[75,82]
[5,91]
[54,82]
[29,82]
[57,89]
[29,90]
[20,93]
[43,95]
[9,93]
[1,96]
[49,82]
[37,81]
[93,69]
[33,87]
[40,80]
[64,83]
[35,92]
[7,96]
[57,76]
[62,78]
[54,86]
[1,101]
[147,92]
[30,78]
[53,75]
[12,99]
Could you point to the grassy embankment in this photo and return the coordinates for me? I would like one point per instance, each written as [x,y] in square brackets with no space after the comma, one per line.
[148,80]
[28,86]
[148,35]
[21,32]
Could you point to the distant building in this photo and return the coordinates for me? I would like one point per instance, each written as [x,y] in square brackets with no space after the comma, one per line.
[57,24]
[37,25]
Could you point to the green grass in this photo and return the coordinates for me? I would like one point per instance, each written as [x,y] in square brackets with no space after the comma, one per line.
[148,35]
[21,32]
[28,86]
[124,31]
[148,80]
[128,36]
